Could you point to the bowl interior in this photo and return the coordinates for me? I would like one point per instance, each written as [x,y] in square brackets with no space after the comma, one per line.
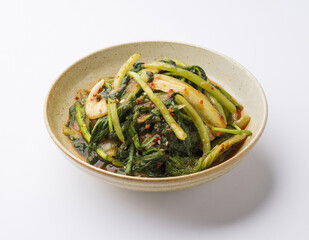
[229,74]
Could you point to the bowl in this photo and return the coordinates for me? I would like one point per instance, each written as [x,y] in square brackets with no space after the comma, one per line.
[228,73]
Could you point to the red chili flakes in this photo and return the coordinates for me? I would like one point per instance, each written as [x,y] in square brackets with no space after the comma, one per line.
[159,163]
[170,93]
[76,98]
[151,84]
[186,90]
[151,144]
[173,114]
[212,88]
[138,101]
[94,95]
[157,138]
[201,102]
[222,149]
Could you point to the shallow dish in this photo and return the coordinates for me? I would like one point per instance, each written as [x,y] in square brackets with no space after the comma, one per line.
[229,74]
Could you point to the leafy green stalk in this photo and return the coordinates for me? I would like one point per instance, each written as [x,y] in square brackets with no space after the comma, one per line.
[124,69]
[156,100]
[198,122]
[130,162]
[80,116]
[132,132]
[115,120]
[219,149]
[236,127]
[185,116]
[243,121]
[232,131]
[217,105]
[104,155]
[230,98]
[133,136]
[197,80]
[113,105]
[110,123]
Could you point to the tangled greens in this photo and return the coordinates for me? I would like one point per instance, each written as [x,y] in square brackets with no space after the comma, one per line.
[156,119]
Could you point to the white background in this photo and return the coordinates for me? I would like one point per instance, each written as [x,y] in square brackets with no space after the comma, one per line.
[43,196]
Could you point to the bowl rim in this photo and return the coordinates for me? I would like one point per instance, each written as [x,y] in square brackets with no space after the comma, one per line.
[205,172]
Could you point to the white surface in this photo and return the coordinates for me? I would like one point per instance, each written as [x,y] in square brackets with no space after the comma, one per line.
[43,196]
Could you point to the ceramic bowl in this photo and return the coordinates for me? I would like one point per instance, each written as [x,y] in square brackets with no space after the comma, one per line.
[228,73]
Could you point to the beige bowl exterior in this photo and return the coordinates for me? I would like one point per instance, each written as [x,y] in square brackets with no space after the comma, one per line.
[228,73]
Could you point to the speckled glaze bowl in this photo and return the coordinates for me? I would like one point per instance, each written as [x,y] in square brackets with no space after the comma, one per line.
[223,70]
